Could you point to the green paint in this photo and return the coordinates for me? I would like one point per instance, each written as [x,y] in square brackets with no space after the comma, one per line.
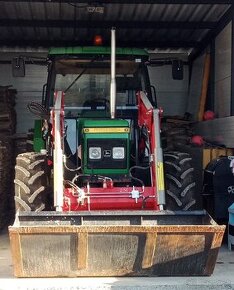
[96,50]
[105,123]
[38,141]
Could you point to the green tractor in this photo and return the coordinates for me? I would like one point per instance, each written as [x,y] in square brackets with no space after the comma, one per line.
[93,192]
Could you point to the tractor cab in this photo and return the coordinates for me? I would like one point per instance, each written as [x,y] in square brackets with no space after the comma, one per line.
[83,74]
[94,141]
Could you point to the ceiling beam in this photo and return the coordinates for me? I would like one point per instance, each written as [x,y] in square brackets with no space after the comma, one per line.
[131,1]
[152,44]
[206,41]
[107,24]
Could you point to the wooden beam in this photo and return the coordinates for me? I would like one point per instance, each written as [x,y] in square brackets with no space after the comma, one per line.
[205,82]
[107,24]
[150,245]
[208,2]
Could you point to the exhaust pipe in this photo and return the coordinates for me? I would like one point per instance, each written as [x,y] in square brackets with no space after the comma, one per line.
[113,81]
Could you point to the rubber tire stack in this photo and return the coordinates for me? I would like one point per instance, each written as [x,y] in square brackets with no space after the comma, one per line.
[180,182]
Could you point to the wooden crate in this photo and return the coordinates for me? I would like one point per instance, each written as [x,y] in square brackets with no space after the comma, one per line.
[213,153]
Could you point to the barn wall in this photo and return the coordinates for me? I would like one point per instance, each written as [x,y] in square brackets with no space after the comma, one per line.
[29,88]
[223,72]
[195,87]
[221,129]
[171,94]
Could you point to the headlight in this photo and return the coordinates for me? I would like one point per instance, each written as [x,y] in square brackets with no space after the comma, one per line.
[118,152]
[95,153]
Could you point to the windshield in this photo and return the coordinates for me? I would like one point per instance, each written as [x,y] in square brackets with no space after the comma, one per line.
[86,83]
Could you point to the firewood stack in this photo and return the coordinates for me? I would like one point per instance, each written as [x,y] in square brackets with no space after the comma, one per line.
[7,130]
[176,132]
[6,181]
[20,142]
[7,111]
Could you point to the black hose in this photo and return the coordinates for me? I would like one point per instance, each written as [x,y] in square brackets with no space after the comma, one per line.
[135,178]
[38,110]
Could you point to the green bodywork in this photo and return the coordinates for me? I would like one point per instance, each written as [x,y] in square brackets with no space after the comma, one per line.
[38,141]
[108,137]
[91,50]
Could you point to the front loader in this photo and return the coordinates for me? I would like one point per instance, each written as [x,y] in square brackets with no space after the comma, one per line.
[100,197]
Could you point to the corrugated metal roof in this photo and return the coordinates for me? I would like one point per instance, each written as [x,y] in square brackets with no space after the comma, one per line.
[160,27]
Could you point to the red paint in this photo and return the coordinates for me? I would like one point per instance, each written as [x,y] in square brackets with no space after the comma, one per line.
[197,140]
[209,115]
[145,118]
[115,198]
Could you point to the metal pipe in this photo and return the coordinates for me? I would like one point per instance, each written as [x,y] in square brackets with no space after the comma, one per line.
[158,154]
[113,81]
[58,154]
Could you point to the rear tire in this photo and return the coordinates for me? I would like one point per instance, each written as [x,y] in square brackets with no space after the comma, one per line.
[31,182]
[180,182]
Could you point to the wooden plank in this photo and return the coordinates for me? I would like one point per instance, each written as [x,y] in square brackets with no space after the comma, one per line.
[213,253]
[176,245]
[118,229]
[16,252]
[149,250]
[82,251]
[214,153]
[5,116]
[229,152]
[206,157]
[205,81]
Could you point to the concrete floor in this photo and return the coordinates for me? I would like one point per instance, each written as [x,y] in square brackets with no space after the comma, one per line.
[223,277]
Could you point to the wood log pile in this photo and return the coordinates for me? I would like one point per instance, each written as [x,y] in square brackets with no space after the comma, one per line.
[175,132]
[7,130]
[7,111]
[20,144]
[6,180]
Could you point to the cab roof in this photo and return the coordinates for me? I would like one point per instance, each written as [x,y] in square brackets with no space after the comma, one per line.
[90,50]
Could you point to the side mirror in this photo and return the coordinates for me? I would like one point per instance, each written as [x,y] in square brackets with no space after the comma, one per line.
[18,67]
[177,69]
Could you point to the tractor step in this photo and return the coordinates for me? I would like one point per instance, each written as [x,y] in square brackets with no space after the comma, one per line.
[118,243]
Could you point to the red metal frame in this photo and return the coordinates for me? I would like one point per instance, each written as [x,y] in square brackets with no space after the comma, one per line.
[116,198]
[110,197]
[145,118]
[62,114]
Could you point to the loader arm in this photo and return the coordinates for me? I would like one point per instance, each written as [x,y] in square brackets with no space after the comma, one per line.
[57,133]
[149,117]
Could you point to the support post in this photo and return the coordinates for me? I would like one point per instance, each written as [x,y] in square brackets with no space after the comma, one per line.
[113,81]
[232,64]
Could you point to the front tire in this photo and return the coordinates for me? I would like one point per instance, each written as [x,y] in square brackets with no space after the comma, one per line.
[31,182]
[180,182]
